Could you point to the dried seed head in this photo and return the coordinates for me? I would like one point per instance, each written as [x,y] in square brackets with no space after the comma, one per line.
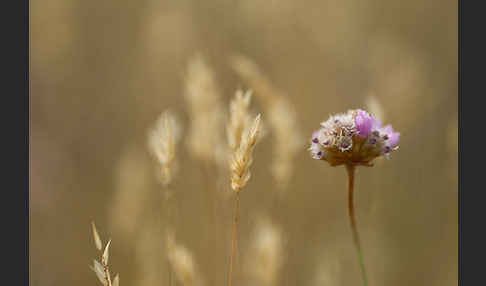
[239,118]
[243,156]
[282,118]
[163,138]
[96,237]
[106,253]
[251,73]
[205,139]
[202,93]
[99,271]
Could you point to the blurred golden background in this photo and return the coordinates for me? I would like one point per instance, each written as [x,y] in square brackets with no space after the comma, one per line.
[102,71]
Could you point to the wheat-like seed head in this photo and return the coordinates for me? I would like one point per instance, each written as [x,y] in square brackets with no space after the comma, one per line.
[282,118]
[162,141]
[101,269]
[239,118]
[252,74]
[202,93]
[243,156]
[205,140]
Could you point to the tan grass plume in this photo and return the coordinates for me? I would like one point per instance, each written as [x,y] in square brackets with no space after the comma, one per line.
[101,269]
[239,118]
[205,139]
[243,156]
[162,140]
[282,118]
[182,263]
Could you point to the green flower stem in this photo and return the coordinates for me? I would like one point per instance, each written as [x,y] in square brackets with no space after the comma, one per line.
[352,220]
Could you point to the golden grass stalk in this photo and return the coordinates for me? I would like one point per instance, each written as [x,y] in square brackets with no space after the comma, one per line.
[240,174]
[101,269]
[162,140]
[282,118]
[205,139]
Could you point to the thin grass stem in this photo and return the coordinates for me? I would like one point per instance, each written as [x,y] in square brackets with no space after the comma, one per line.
[233,238]
[351,171]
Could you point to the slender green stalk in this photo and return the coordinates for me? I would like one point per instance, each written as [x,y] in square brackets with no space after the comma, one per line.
[352,220]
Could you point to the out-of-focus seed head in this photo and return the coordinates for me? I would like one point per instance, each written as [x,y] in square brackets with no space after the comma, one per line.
[163,139]
[182,263]
[265,255]
[205,138]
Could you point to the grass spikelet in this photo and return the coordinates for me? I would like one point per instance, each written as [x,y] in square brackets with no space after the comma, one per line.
[243,156]
[96,237]
[282,118]
[106,253]
[239,118]
[265,255]
[101,269]
[205,139]
[163,138]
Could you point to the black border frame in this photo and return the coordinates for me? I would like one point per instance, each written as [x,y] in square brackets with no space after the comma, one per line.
[15,142]
[471,193]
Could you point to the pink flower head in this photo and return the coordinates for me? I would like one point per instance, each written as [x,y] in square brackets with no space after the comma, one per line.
[354,138]
[390,136]
[363,122]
